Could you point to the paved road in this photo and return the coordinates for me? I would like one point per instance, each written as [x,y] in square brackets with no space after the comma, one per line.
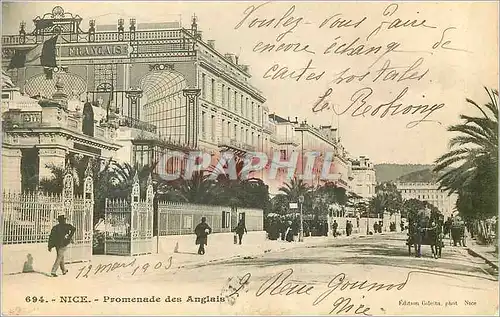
[323,278]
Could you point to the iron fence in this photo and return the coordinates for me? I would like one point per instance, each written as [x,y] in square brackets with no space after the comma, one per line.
[29,217]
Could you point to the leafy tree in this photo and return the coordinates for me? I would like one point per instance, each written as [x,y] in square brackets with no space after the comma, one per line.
[411,208]
[387,198]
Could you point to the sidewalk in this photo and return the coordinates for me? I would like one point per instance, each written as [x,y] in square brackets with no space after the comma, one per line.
[486,252]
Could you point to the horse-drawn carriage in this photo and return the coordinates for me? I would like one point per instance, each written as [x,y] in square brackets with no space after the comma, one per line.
[425,231]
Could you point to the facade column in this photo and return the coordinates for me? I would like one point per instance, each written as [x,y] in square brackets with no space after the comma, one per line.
[50,156]
[192,113]
[134,96]
[11,169]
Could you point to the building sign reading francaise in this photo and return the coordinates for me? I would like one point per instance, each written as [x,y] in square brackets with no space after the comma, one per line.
[95,50]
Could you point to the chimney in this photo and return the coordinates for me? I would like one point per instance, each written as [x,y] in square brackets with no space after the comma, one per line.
[211,43]
[334,133]
[245,68]
[229,57]
[236,58]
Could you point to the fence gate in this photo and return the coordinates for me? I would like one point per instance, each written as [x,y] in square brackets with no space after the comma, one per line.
[79,212]
[129,223]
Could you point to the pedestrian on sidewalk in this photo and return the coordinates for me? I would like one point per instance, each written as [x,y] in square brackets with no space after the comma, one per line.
[335,225]
[348,228]
[240,230]
[60,237]
[202,231]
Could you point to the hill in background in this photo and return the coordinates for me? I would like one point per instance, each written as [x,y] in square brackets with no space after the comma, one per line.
[423,176]
[392,172]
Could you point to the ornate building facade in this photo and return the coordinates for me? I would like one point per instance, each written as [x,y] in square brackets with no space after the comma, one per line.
[364,179]
[290,138]
[172,90]
[41,132]
[163,87]
[429,192]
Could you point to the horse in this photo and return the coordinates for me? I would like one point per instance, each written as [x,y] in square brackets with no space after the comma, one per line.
[425,236]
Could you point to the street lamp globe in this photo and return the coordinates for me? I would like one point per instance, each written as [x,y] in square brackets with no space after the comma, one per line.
[301,199]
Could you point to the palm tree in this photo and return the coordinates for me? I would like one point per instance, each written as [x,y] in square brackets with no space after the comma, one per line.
[199,189]
[294,189]
[122,178]
[470,168]
[55,184]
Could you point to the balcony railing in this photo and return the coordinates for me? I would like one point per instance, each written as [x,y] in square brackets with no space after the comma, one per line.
[18,119]
[137,124]
[14,119]
[233,143]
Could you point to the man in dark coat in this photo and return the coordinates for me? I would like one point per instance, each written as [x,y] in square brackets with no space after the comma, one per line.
[240,230]
[335,225]
[202,231]
[348,228]
[60,237]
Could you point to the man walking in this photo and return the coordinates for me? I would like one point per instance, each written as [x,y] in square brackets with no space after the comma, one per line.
[240,230]
[202,231]
[60,237]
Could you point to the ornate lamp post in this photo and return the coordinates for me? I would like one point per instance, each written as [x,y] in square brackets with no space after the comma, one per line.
[301,233]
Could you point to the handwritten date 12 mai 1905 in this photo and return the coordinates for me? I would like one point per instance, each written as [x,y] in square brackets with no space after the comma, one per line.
[283,284]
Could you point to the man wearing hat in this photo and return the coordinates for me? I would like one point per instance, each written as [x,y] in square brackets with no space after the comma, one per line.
[60,237]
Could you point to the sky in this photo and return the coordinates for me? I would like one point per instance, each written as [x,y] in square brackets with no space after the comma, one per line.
[407,54]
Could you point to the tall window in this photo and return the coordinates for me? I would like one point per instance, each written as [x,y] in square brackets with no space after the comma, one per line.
[235,103]
[241,103]
[259,115]
[283,154]
[142,155]
[223,95]
[229,98]
[203,114]
[212,123]
[226,219]
[246,103]
[223,126]
[203,86]
[235,132]
[213,90]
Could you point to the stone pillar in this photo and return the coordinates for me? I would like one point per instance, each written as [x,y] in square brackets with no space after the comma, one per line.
[50,156]
[192,114]
[11,169]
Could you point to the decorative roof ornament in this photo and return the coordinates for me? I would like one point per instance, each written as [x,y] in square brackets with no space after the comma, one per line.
[6,80]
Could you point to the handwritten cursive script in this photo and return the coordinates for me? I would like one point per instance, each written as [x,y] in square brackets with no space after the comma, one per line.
[99,269]
[283,283]
[360,105]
